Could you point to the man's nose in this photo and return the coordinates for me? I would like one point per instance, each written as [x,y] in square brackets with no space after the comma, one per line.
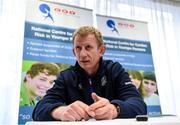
[83,52]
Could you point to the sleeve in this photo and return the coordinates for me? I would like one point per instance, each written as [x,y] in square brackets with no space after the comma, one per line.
[128,97]
[55,97]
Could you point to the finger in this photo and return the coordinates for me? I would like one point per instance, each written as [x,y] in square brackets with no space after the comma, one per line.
[73,112]
[86,108]
[81,111]
[95,97]
[106,112]
[98,104]
[101,111]
[68,118]
[90,113]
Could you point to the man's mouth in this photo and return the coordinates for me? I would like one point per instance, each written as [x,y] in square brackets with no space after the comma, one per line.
[84,61]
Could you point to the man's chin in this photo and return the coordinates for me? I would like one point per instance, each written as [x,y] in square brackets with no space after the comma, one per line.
[85,67]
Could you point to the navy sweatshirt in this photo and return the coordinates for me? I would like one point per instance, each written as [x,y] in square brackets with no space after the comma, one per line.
[111,82]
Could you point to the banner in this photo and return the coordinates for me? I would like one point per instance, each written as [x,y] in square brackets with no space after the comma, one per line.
[47,48]
[128,43]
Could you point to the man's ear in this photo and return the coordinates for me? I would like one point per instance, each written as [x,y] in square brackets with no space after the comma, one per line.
[102,49]
[73,51]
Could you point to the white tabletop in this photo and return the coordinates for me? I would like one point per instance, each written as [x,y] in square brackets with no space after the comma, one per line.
[168,120]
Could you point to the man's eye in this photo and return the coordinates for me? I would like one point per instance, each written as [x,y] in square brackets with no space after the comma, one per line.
[77,47]
[88,47]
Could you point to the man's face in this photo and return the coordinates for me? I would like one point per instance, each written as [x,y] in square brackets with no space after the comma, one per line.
[40,83]
[149,86]
[88,52]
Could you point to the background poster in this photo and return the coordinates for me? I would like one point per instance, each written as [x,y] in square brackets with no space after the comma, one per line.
[128,43]
[47,43]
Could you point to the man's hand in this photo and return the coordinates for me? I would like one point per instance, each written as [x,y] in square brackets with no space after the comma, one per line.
[73,112]
[102,108]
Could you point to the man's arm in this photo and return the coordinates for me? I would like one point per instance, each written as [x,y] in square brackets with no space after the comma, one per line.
[127,102]
[128,99]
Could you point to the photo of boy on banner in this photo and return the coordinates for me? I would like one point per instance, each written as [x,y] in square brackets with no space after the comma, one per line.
[145,82]
[150,91]
[37,78]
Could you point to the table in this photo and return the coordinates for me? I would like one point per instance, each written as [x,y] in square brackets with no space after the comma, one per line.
[165,120]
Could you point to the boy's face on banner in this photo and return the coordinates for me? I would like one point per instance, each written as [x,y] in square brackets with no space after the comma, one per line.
[150,86]
[39,84]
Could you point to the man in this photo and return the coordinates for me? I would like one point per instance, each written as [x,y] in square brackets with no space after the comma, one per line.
[38,79]
[93,88]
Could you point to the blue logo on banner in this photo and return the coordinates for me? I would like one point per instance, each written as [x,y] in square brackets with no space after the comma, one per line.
[111,24]
[44,8]
[25,114]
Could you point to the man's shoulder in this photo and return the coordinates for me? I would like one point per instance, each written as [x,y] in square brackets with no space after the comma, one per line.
[68,74]
[70,70]
[111,64]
